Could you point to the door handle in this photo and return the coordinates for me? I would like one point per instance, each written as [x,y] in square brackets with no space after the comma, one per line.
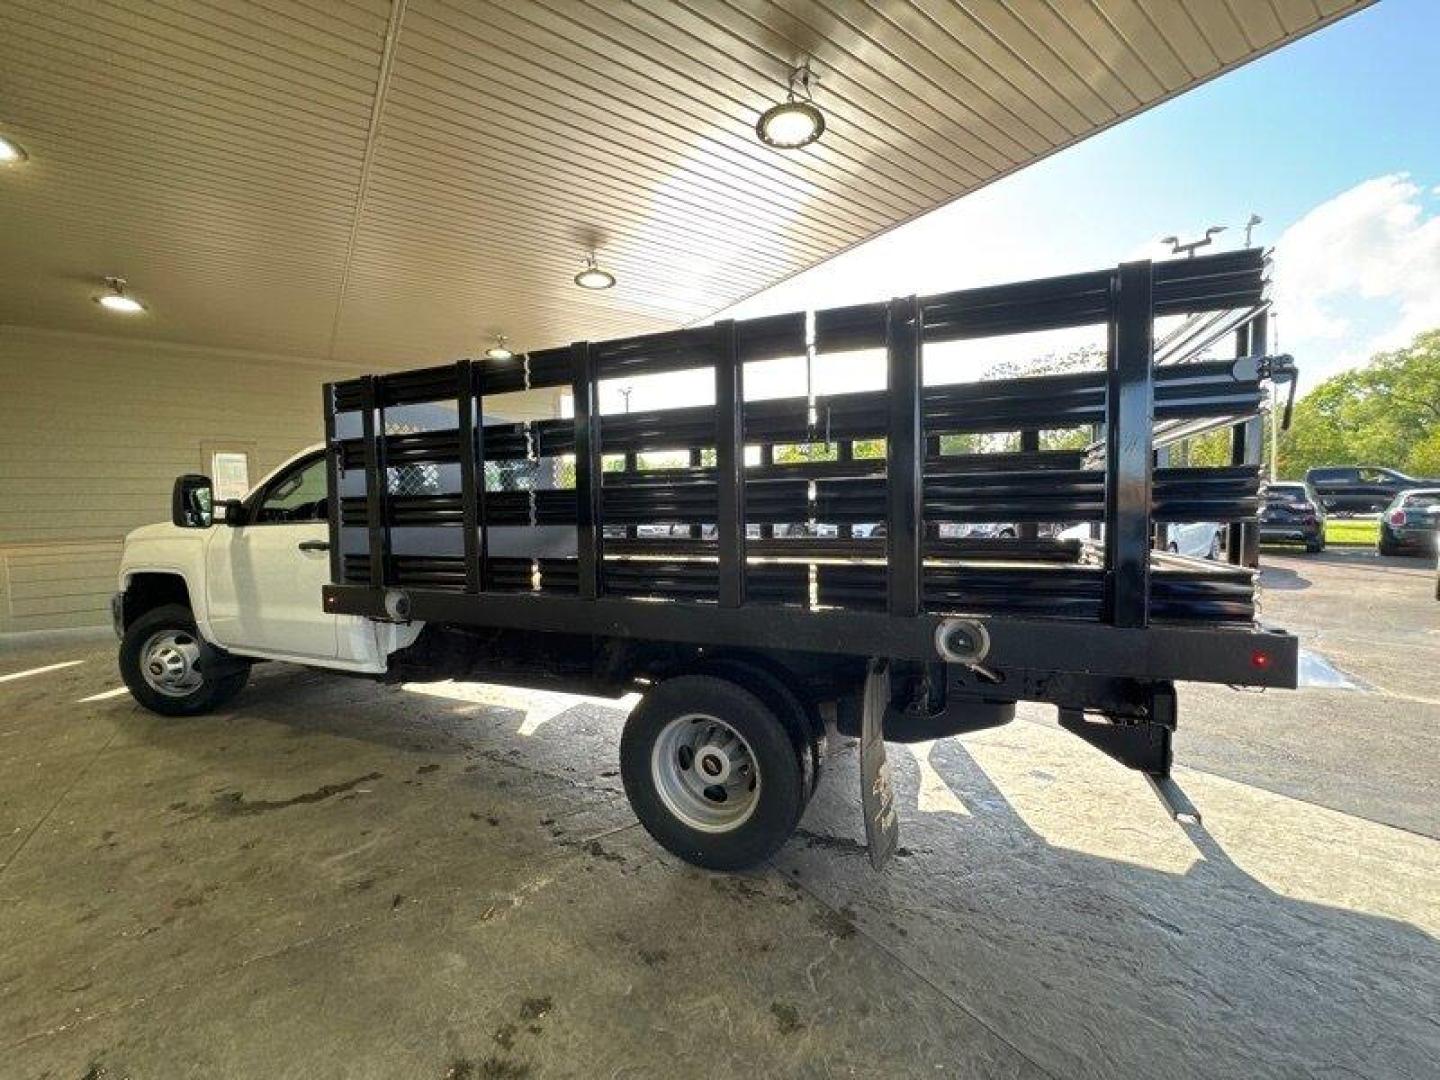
[314,545]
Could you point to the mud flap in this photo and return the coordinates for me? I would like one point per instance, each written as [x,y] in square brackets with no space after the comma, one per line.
[877,795]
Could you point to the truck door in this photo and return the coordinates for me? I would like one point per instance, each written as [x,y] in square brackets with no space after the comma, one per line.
[264,578]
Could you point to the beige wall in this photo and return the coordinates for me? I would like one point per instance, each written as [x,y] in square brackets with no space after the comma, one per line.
[93,431]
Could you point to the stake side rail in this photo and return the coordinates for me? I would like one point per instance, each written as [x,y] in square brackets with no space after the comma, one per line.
[708,552]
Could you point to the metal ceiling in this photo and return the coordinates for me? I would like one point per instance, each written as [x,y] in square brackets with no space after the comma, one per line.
[390,182]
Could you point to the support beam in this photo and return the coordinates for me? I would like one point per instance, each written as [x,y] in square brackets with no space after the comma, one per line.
[697,460]
[372,429]
[1246,437]
[1129,468]
[471,433]
[588,534]
[904,459]
[730,463]
[1029,442]
[767,458]
[332,485]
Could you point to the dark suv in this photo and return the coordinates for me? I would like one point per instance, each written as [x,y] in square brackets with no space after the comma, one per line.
[1360,489]
[1291,514]
[1411,523]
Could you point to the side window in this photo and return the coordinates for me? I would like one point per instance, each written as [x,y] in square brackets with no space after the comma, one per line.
[296,495]
[1375,476]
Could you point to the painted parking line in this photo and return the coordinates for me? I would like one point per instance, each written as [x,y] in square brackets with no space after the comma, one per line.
[1317,671]
[39,670]
[104,695]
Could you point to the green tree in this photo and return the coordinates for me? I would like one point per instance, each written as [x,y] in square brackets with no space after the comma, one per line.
[1385,413]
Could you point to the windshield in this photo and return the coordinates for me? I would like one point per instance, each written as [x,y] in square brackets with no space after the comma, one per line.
[1422,501]
[1285,493]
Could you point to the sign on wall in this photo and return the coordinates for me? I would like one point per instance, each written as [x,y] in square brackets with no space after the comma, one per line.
[230,472]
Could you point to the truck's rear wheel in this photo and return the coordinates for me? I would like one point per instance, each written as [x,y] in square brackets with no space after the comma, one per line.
[172,670]
[711,772]
[804,729]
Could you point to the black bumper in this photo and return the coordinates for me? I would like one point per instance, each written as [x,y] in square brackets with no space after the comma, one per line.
[1290,534]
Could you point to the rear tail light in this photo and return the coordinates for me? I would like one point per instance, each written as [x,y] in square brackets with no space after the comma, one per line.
[1397,517]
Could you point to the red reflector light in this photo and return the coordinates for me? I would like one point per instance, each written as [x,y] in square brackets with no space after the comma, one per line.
[1260,659]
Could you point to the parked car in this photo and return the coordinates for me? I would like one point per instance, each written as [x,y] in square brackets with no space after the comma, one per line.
[1198,539]
[803,529]
[1290,513]
[988,530]
[1411,523]
[1360,489]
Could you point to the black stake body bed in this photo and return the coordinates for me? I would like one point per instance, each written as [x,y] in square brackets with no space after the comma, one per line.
[836,525]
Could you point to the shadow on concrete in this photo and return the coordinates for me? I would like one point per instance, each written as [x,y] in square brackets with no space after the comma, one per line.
[1098,966]
[1091,965]
[1368,556]
[1282,577]
[533,730]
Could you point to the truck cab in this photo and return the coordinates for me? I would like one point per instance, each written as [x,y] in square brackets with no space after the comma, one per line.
[216,588]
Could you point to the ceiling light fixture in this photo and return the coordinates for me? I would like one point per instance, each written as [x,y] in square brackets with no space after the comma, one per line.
[499,351]
[116,300]
[594,276]
[795,122]
[12,153]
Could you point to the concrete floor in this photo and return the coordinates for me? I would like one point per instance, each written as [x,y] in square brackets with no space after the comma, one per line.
[338,879]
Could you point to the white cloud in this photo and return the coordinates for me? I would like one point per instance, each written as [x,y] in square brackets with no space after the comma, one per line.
[1358,274]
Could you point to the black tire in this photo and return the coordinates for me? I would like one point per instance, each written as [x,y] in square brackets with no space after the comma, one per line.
[779,796]
[1316,547]
[805,729]
[221,676]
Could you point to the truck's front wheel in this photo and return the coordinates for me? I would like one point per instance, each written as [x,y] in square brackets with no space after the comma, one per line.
[711,772]
[172,670]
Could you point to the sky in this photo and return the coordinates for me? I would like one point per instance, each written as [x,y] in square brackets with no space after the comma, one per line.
[1334,141]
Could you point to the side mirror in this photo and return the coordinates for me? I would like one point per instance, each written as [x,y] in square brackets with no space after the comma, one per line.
[192,502]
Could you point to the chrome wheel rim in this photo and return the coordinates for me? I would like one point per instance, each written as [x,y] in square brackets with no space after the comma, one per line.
[169,663]
[705,773]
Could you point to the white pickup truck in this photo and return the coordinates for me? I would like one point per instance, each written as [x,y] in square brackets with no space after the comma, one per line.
[205,594]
